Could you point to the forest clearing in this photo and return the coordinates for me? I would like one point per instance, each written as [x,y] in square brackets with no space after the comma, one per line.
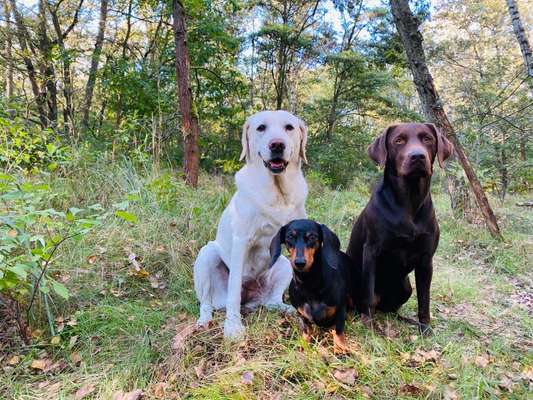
[122,125]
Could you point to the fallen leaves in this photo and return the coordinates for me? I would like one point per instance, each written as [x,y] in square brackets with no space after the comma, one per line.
[347,376]
[183,331]
[411,389]
[420,357]
[39,364]
[84,391]
[133,395]
[481,361]
[14,360]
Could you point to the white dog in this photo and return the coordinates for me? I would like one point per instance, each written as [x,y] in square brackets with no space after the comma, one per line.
[234,269]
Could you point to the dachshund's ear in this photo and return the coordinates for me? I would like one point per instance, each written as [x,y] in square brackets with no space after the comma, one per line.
[444,146]
[330,247]
[275,245]
[377,151]
[245,153]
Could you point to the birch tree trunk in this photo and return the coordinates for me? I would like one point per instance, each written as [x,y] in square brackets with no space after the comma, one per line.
[95,59]
[189,121]
[407,25]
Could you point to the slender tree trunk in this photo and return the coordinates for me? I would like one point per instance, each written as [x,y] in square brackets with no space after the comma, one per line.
[189,124]
[95,59]
[25,47]
[47,66]
[521,37]
[68,110]
[407,26]
[9,53]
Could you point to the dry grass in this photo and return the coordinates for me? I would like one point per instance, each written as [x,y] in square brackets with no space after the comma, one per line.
[124,327]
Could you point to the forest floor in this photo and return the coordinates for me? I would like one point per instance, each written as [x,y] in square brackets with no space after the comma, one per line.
[128,325]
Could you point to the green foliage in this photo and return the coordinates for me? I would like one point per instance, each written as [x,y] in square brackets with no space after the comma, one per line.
[26,146]
[30,235]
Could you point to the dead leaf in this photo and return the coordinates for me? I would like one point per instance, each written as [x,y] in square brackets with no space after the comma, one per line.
[420,357]
[72,341]
[184,330]
[199,371]
[39,364]
[247,378]
[481,361]
[55,340]
[92,259]
[366,391]
[411,389]
[527,373]
[13,360]
[84,391]
[75,358]
[346,376]
[133,395]
[506,384]
[12,233]
[159,389]
[450,393]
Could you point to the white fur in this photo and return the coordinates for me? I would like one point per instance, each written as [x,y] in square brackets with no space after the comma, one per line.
[257,210]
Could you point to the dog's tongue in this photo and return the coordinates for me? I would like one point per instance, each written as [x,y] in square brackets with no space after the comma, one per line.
[276,164]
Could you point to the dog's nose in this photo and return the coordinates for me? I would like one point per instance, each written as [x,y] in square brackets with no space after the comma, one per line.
[299,263]
[417,156]
[276,146]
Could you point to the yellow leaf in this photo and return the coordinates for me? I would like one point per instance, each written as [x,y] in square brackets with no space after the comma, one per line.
[55,340]
[38,364]
[14,360]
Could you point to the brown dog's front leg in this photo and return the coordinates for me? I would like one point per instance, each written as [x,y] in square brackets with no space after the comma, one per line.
[368,284]
[423,275]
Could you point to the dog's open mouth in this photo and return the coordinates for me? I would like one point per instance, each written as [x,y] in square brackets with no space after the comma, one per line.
[276,165]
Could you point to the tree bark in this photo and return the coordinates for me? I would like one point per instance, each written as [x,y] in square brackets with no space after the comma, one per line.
[521,37]
[25,47]
[407,25]
[9,53]
[46,65]
[189,123]
[68,110]
[95,59]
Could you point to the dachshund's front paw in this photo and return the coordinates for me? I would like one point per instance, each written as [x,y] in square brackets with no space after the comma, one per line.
[425,329]
[233,329]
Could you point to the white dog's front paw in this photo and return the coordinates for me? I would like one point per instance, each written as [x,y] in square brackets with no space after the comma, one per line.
[206,316]
[233,328]
[282,307]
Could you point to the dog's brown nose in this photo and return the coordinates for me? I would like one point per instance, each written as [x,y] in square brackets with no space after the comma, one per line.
[276,146]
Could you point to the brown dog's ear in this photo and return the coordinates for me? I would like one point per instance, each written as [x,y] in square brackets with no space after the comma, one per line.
[303,141]
[245,142]
[377,151]
[444,146]
[275,245]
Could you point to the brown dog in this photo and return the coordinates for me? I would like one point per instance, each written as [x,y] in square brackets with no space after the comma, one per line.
[397,232]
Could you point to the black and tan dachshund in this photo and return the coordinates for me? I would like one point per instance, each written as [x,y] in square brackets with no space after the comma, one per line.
[321,286]
[397,232]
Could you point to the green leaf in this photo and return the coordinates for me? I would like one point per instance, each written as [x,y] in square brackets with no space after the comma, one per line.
[6,177]
[60,289]
[20,270]
[126,216]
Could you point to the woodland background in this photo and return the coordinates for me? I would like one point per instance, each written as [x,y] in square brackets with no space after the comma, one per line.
[120,124]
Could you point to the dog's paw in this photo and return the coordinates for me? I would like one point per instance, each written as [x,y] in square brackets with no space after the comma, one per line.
[233,329]
[425,329]
[206,317]
[282,307]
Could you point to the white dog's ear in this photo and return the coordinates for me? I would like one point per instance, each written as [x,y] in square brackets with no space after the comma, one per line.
[303,141]
[245,144]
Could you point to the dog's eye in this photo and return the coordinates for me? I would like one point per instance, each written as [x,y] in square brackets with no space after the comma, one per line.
[289,127]
[261,128]
[427,139]
[399,140]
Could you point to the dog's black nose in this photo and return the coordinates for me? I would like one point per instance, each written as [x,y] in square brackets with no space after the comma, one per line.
[299,263]
[276,146]
[417,156]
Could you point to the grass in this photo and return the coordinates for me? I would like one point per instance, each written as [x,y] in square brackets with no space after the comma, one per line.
[118,329]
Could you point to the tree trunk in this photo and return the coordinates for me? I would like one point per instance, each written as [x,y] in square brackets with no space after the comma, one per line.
[407,26]
[520,34]
[47,67]
[24,42]
[9,54]
[189,123]
[95,59]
